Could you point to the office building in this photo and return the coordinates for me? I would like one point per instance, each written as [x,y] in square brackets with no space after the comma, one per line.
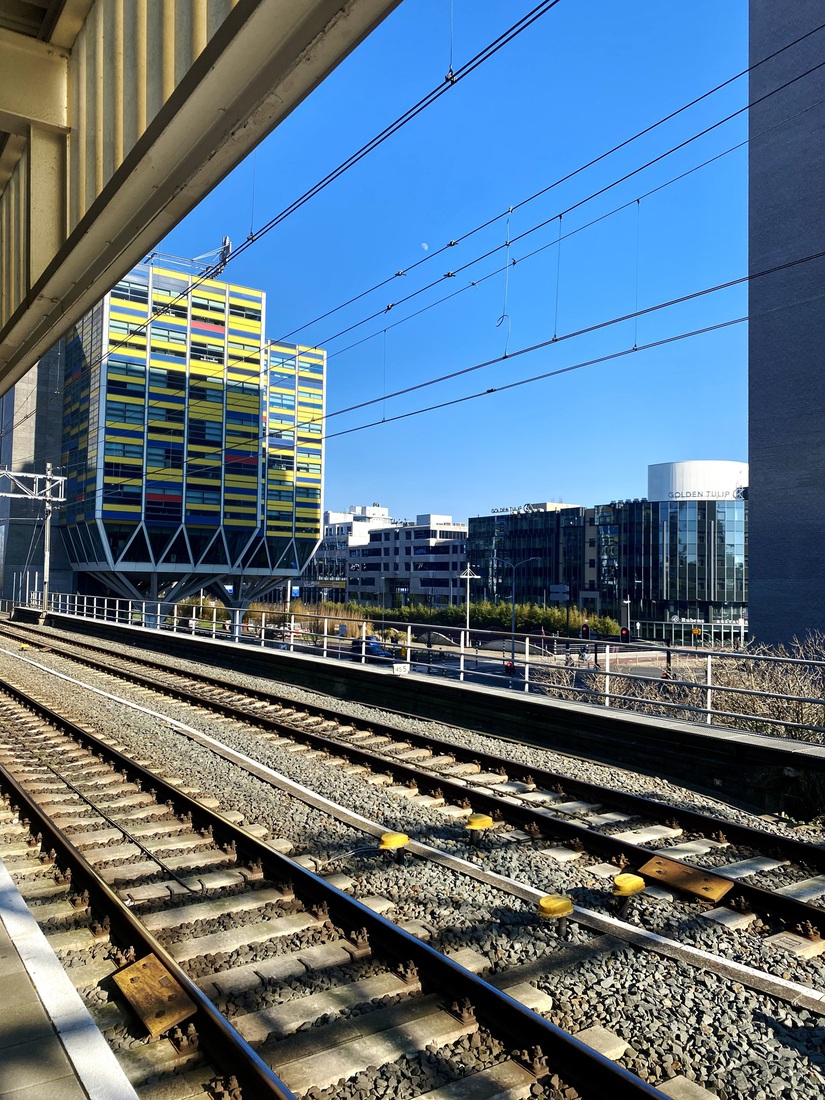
[680,554]
[539,544]
[407,563]
[193,448]
[327,573]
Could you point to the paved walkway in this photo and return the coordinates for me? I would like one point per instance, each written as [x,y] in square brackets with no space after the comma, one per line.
[49,1045]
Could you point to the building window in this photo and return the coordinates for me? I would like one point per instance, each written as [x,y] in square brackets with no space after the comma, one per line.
[123,413]
[132,292]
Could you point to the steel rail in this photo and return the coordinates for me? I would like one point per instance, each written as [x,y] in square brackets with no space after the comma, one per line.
[225,1045]
[592,1074]
[596,697]
[747,835]
[638,645]
[759,899]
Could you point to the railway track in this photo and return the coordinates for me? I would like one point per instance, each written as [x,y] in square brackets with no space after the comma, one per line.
[697,854]
[451,836]
[127,868]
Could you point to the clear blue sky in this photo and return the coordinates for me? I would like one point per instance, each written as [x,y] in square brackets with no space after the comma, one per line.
[583,78]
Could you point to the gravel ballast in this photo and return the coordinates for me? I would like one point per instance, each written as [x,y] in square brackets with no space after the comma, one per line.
[677,1020]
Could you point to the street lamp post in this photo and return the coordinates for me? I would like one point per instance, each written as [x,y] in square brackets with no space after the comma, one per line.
[513,567]
[468,575]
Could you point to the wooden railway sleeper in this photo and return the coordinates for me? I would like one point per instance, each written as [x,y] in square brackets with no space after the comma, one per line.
[510,1018]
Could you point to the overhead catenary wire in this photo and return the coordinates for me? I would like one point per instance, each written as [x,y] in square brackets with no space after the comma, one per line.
[477,282]
[460,74]
[519,352]
[587,330]
[647,130]
[522,259]
[572,233]
[538,251]
[568,210]
[532,16]
[629,351]
[562,179]
[542,377]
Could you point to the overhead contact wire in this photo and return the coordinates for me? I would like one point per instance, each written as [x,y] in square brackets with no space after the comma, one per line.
[695,295]
[563,179]
[465,70]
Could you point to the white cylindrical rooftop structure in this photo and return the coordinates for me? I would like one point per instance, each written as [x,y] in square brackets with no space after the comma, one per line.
[697,480]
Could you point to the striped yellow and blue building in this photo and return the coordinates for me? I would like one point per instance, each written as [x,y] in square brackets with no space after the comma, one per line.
[193,447]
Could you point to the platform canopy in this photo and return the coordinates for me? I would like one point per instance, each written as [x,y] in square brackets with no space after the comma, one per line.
[118,116]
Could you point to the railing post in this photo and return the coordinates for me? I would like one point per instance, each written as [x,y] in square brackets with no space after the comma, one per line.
[461,658]
[709,693]
[263,629]
[214,621]
[291,633]
[607,675]
[326,636]
[526,665]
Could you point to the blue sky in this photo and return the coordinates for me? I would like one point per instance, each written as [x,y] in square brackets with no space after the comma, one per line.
[580,80]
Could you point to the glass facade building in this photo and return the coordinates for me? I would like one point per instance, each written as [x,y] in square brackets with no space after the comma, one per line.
[499,541]
[684,558]
[681,555]
[193,449]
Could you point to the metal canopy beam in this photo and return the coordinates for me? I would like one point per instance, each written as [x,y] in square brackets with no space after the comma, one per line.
[265,58]
[34,81]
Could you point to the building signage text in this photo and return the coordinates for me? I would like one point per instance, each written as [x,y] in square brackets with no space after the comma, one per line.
[518,509]
[706,494]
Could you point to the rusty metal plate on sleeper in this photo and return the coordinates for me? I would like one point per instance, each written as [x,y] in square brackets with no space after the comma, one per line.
[690,880]
[154,995]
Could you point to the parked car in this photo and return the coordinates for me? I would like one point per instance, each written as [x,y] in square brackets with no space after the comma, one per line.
[373,651]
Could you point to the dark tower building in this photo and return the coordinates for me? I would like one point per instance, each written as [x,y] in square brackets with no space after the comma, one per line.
[787,321]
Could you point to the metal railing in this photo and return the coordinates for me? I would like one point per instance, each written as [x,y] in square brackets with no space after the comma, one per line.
[752,691]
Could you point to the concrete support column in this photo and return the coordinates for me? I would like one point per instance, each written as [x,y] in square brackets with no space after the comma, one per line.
[46,203]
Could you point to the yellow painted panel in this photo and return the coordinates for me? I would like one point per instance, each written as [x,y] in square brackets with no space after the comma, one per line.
[127,399]
[242,324]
